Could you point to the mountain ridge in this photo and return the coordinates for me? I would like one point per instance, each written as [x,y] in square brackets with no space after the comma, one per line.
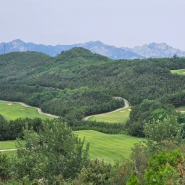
[152,50]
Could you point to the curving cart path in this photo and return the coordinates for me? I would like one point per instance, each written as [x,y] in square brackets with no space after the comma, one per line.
[39,110]
[127,104]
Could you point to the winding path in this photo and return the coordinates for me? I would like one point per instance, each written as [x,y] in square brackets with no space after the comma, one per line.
[127,104]
[39,110]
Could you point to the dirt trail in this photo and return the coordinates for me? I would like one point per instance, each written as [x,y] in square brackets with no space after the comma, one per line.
[127,104]
[39,110]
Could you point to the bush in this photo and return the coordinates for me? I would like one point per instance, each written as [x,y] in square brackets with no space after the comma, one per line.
[49,153]
[96,173]
[133,180]
[4,166]
[166,169]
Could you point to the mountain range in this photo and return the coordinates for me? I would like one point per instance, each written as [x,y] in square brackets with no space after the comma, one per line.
[152,50]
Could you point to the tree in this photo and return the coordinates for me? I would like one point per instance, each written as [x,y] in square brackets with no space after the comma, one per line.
[158,131]
[133,180]
[158,114]
[51,152]
[166,169]
[4,166]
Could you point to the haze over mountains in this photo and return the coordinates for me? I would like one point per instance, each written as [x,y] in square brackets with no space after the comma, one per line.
[152,50]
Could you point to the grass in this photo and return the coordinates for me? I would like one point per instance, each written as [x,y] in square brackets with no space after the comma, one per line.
[8,145]
[179,71]
[114,117]
[15,110]
[102,146]
[108,147]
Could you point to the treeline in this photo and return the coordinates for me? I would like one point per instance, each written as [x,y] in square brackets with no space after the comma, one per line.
[150,110]
[107,128]
[10,130]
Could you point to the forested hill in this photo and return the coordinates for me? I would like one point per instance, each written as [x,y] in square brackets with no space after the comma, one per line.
[15,65]
[78,83]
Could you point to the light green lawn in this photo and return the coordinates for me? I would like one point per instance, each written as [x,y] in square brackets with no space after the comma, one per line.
[9,145]
[102,146]
[14,111]
[114,117]
[179,71]
[108,147]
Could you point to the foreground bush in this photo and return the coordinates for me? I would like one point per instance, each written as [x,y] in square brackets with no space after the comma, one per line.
[49,153]
[4,166]
[166,169]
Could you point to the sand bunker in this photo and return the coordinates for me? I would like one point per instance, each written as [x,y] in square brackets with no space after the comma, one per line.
[123,111]
[10,104]
[182,111]
[130,109]
[183,72]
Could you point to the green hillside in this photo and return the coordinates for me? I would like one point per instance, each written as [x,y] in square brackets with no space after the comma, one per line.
[18,65]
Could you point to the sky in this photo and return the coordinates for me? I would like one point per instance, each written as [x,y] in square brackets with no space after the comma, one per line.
[122,23]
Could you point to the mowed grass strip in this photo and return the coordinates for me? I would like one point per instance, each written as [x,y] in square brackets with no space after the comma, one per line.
[4,145]
[179,71]
[120,116]
[108,147]
[8,144]
[12,111]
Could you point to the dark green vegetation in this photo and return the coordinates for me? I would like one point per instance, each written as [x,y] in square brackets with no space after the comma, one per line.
[77,83]
[10,130]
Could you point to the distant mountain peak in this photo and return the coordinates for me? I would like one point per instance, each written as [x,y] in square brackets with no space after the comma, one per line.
[148,50]
[18,40]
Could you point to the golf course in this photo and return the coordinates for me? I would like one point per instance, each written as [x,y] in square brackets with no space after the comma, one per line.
[120,116]
[12,111]
[102,146]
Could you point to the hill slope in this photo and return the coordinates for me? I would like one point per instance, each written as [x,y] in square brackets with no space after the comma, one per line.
[78,82]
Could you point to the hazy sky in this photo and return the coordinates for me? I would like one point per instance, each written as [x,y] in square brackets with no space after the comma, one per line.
[125,23]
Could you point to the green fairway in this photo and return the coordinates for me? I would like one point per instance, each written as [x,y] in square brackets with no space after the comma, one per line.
[8,145]
[12,111]
[108,147]
[179,71]
[102,146]
[120,116]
